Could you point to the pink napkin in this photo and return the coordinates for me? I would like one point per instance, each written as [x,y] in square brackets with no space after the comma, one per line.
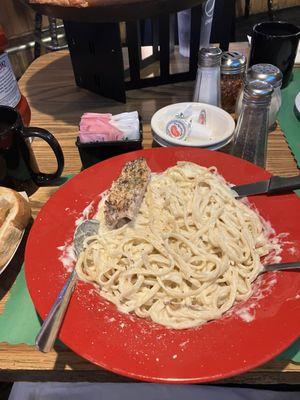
[96,127]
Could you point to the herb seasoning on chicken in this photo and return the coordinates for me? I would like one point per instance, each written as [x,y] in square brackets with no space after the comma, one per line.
[126,193]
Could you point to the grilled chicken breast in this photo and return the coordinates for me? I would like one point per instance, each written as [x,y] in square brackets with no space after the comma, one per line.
[126,193]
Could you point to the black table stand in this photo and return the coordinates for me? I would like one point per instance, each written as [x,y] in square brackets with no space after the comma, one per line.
[97,59]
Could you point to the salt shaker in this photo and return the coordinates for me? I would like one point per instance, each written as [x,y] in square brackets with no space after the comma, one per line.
[207,88]
[233,65]
[270,74]
[250,136]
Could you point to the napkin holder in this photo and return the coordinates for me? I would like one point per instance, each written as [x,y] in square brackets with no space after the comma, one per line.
[92,153]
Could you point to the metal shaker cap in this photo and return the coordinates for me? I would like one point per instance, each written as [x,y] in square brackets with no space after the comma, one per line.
[209,56]
[257,91]
[232,62]
[265,72]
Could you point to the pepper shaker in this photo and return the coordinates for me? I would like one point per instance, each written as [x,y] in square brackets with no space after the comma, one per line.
[207,88]
[233,65]
[250,136]
[270,74]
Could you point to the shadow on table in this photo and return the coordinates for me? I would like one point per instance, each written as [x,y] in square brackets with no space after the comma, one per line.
[79,369]
[52,91]
[59,181]
[10,274]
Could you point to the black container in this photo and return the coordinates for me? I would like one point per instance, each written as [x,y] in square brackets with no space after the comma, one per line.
[92,153]
[275,43]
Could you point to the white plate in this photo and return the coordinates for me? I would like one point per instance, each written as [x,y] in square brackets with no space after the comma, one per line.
[297,105]
[164,143]
[220,125]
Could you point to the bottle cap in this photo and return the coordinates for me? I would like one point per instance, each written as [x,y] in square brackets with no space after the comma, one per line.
[232,62]
[259,92]
[209,57]
[265,72]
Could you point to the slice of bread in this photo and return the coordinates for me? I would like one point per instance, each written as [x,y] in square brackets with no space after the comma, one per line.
[15,214]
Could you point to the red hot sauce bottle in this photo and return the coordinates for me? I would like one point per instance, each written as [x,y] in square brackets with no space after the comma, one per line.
[10,94]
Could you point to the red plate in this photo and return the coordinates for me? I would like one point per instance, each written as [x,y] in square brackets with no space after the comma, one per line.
[252,334]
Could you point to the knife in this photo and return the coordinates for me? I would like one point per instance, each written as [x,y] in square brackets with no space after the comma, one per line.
[276,184]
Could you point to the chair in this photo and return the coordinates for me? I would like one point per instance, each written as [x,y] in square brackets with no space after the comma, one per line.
[39,33]
[270,9]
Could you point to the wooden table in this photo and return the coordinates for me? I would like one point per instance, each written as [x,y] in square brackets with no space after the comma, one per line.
[113,10]
[94,41]
[57,105]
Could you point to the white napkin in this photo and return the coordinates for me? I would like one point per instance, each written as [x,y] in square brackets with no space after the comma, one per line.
[128,123]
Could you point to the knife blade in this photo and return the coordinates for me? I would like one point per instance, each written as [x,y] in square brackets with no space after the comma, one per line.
[276,184]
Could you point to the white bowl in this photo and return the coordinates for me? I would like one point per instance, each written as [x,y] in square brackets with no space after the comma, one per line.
[217,146]
[219,125]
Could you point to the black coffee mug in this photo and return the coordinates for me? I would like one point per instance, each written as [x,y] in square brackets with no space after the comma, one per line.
[18,167]
[275,42]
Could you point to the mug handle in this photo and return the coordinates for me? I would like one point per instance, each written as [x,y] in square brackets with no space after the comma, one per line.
[40,178]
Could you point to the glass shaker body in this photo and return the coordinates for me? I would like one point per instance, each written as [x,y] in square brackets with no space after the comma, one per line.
[233,66]
[266,73]
[274,106]
[230,88]
[250,136]
[207,89]
[207,85]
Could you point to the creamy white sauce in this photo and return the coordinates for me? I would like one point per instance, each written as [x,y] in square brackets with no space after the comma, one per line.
[67,257]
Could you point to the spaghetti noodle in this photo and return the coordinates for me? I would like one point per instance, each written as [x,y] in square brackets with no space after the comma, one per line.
[192,251]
